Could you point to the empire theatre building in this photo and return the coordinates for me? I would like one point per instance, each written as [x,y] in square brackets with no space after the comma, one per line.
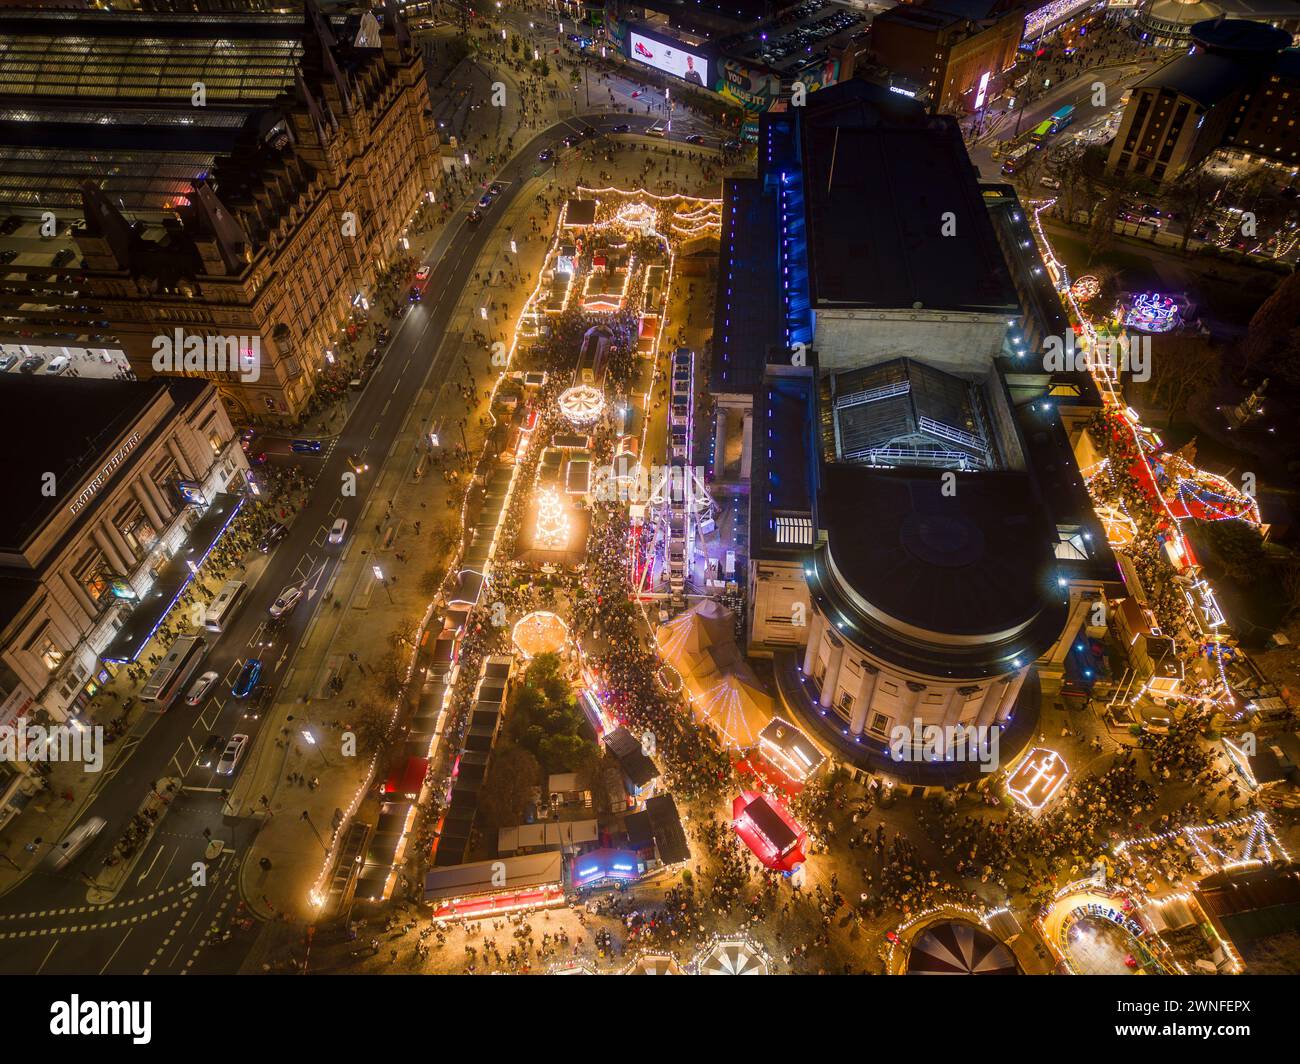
[114,494]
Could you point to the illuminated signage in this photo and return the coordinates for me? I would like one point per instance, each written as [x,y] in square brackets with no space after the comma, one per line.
[1038,777]
[983,90]
[675,60]
[103,476]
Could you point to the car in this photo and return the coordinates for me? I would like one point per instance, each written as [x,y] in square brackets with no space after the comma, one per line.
[273,536]
[247,678]
[485,201]
[7,256]
[338,530]
[496,188]
[636,94]
[289,598]
[695,138]
[655,131]
[381,336]
[230,756]
[31,364]
[545,155]
[356,464]
[199,688]
[587,132]
[305,446]
[270,629]
[63,256]
[58,364]
[8,362]
[1050,182]
[11,225]
[571,141]
[258,703]
[622,127]
[77,840]
[474,217]
[210,751]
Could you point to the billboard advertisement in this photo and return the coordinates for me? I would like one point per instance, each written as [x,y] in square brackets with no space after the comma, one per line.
[752,90]
[671,59]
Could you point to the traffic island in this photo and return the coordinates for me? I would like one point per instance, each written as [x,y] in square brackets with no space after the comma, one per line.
[133,842]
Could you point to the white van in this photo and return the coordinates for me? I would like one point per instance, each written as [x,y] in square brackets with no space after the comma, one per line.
[58,365]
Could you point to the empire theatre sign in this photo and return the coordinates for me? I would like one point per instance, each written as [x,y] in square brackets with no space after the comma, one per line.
[105,474]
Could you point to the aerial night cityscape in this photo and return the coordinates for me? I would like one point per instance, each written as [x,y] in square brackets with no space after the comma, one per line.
[686,487]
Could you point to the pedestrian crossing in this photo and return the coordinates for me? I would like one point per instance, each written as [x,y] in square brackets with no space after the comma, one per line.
[124,921]
[44,914]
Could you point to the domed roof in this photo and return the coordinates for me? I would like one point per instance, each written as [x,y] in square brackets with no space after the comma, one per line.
[1239,36]
[958,947]
[1183,12]
[973,562]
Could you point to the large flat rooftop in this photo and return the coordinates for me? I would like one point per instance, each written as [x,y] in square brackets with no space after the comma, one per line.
[895,216]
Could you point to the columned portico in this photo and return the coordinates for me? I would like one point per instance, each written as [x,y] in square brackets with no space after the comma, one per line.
[816,626]
[832,677]
[870,676]
[1009,698]
[988,710]
[119,560]
[145,500]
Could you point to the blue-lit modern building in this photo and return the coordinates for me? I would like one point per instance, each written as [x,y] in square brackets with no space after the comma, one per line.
[919,534]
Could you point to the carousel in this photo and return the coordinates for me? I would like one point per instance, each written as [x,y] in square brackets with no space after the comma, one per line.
[736,956]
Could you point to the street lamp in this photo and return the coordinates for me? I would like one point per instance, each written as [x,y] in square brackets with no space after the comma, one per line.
[379,575]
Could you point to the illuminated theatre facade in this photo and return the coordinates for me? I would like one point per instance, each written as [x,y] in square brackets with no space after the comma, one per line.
[921,544]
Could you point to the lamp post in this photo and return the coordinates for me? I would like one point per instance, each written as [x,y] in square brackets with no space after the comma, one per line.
[379,575]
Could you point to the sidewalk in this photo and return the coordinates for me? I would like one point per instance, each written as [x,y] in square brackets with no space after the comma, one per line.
[71,790]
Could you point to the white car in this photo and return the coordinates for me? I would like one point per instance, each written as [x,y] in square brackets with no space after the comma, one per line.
[287,601]
[1050,182]
[338,530]
[199,688]
[58,365]
[77,839]
[231,755]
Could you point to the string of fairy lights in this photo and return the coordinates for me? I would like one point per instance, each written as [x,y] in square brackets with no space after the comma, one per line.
[1106,373]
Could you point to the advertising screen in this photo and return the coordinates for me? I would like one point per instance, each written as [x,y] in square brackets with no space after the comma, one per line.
[670,59]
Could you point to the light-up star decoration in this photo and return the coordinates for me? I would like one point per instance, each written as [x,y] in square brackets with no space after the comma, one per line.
[1037,778]
[1152,312]
[582,404]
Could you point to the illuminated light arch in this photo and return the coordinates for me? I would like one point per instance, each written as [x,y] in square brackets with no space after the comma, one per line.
[582,404]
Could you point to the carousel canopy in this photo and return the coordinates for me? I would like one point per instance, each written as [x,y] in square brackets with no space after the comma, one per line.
[654,964]
[701,645]
[732,958]
[955,947]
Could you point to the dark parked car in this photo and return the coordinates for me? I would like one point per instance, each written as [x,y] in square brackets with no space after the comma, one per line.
[305,446]
[273,536]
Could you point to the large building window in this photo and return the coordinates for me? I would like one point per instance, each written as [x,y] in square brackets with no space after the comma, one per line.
[95,577]
[45,648]
[137,529]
